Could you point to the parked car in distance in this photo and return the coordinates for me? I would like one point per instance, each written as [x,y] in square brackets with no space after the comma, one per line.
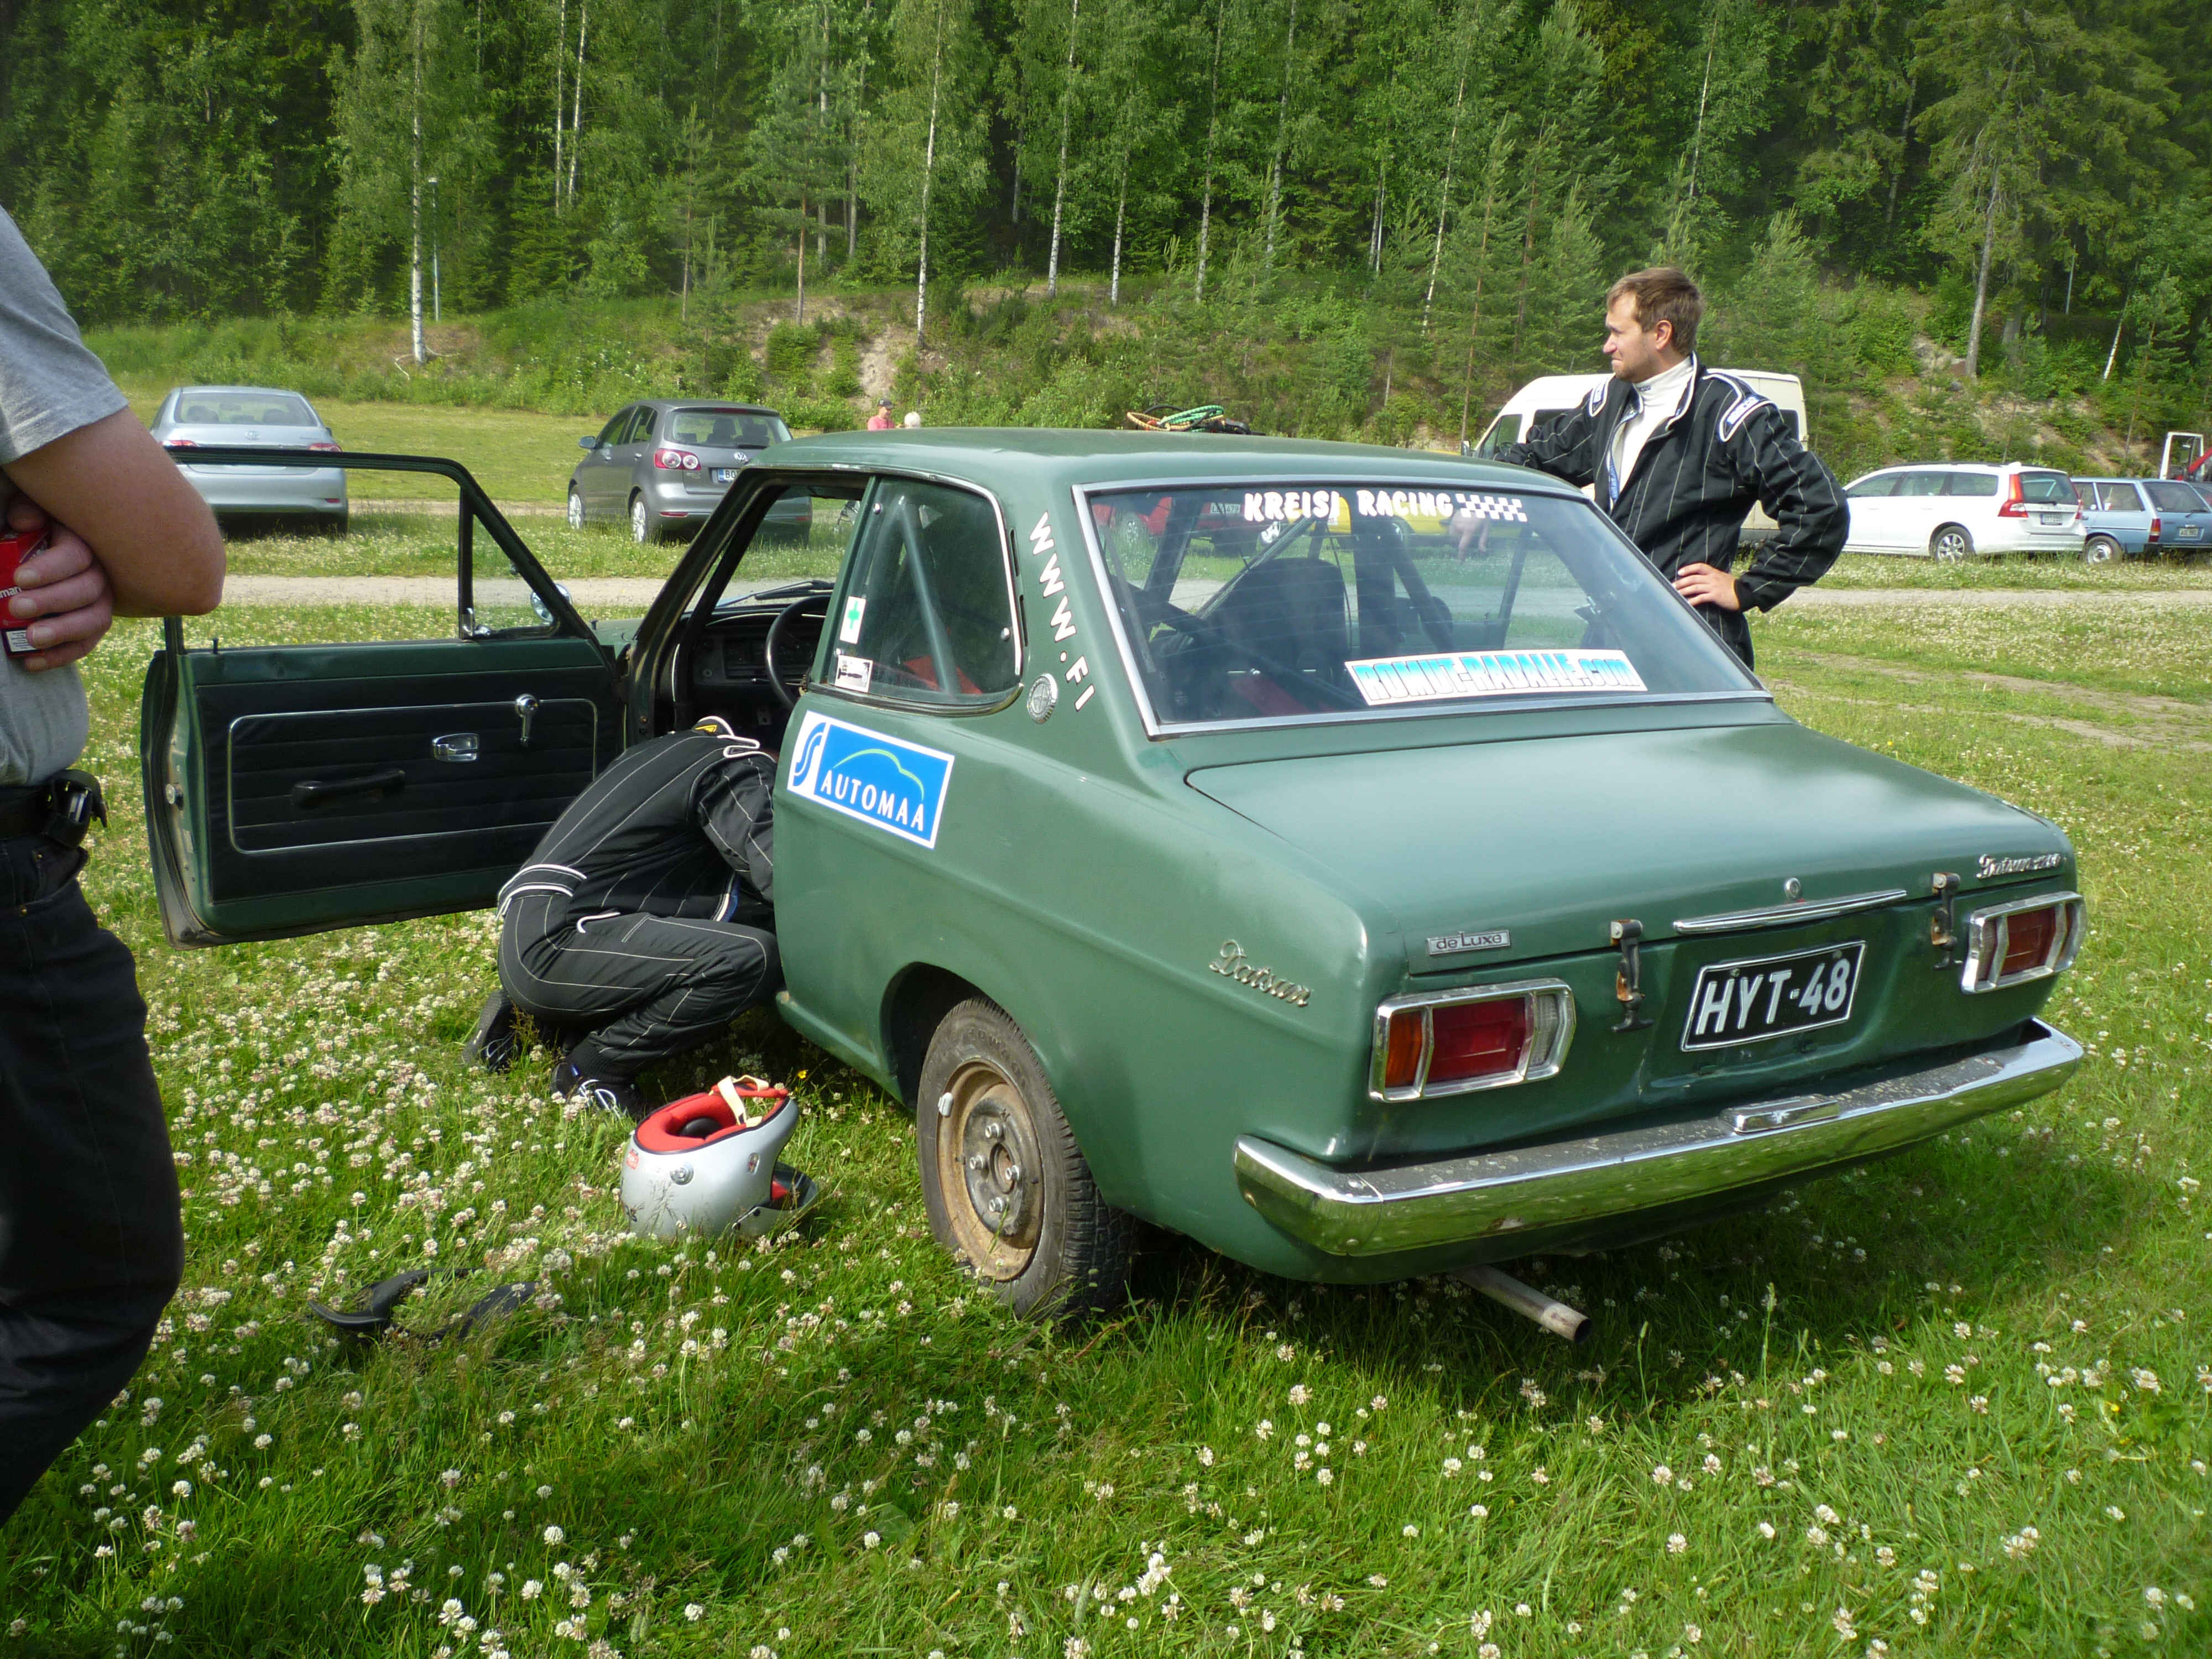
[1954,510]
[1551,395]
[2116,518]
[2181,516]
[664,465]
[1181,831]
[253,417]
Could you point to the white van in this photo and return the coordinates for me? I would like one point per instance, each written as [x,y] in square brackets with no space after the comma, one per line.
[1555,394]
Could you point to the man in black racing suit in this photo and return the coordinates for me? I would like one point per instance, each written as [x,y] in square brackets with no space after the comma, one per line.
[636,918]
[1678,453]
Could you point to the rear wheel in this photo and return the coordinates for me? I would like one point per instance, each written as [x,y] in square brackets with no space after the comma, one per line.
[576,509]
[644,528]
[2101,549]
[1007,1188]
[1951,544]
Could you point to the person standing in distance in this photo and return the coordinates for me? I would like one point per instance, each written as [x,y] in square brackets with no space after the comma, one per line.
[881,420]
[91,1245]
[1679,453]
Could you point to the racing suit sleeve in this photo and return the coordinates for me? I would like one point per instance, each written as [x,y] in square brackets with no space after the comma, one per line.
[736,808]
[1800,495]
[1566,447]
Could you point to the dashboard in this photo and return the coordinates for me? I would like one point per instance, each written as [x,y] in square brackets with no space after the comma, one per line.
[727,673]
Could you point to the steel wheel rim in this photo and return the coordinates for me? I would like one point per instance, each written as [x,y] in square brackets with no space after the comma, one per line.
[989,1171]
[2101,549]
[638,522]
[575,511]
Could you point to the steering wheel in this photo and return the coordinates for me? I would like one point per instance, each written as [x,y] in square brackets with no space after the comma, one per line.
[775,632]
[1206,632]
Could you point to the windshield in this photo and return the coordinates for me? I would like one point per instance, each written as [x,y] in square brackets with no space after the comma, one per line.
[726,428]
[1273,603]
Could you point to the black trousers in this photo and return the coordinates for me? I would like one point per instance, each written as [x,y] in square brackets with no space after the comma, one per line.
[646,987]
[91,1245]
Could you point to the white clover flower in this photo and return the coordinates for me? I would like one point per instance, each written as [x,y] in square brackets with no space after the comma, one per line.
[555,1536]
[1206,1457]
[694,1612]
[870,1540]
[1479,1512]
[531,1589]
[1676,1543]
[1663,1476]
[1300,1394]
[1766,1529]
[1324,1477]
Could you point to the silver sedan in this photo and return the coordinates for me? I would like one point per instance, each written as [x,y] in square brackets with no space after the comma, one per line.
[251,416]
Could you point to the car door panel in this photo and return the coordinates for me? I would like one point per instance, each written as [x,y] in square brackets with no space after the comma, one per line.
[293,788]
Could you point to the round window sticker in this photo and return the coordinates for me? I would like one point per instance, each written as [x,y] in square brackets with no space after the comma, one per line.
[1044,694]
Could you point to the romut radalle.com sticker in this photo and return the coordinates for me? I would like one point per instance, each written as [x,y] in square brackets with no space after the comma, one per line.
[1384,680]
[897,786]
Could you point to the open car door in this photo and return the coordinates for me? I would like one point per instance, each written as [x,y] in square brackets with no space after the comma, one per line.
[404,763]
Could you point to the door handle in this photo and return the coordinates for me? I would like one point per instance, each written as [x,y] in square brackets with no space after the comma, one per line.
[454,746]
[527,706]
[320,792]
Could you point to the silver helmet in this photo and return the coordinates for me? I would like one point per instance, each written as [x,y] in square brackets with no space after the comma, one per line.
[706,1162]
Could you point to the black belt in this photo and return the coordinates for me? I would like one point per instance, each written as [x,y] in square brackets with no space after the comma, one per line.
[62,809]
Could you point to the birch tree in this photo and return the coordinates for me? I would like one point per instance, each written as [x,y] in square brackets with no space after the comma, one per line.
[929,158]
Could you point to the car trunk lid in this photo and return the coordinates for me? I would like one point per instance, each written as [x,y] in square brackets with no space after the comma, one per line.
[1730,846]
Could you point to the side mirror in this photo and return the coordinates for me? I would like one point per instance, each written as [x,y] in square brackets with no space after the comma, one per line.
[587,443]
[545,612]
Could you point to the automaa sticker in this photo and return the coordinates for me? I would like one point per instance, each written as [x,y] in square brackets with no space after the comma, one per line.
[897,786]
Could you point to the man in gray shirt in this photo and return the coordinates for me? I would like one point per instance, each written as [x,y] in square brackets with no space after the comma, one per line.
[90,1245]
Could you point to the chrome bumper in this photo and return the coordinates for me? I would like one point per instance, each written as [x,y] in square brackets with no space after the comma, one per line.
[1599,1178]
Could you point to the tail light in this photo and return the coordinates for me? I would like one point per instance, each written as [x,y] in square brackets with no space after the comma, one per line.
[2028,939]
[1481,1037]
[180,443]
[324,449]
[2154,526]
[675,460]
[2015,504]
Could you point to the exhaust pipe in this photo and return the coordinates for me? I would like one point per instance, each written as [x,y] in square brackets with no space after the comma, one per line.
[1527,1300]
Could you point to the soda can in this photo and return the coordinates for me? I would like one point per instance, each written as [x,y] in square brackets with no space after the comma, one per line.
[15,547]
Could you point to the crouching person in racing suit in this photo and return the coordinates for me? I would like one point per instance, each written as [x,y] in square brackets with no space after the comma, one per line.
[625,922]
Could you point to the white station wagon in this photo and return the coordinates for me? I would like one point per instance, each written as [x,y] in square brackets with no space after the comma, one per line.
[1952,512]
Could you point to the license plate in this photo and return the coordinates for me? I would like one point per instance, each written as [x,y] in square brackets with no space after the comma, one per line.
[2189,532]
[724,474]
[1768,997]
[2051,518]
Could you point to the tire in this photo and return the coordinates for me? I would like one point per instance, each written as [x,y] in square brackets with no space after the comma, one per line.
[1007,1189]
[337,523]
[2101,549]
[644,528]
[575,508]
[1951,544]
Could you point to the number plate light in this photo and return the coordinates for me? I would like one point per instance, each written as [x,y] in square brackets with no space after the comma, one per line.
[1480,1037]
[2028,939]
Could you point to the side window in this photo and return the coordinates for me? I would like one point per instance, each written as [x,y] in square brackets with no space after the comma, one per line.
[1972,484]
[925,614]
[611,433]
[1920,483]
[1504,431]
[1882,483]
[2122,497]
[643,429]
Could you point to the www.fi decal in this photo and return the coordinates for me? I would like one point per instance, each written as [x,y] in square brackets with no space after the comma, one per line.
[1054,586]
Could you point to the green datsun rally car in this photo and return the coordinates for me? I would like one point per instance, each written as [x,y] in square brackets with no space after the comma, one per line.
[1357,859]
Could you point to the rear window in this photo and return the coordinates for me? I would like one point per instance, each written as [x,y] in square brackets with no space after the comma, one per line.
[1971,483]
[726,429]
[1336,596]
[243,408]
[2170,497]
[2050,487]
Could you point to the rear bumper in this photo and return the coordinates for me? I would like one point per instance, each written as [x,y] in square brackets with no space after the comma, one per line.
[1597,1179]
[286,490]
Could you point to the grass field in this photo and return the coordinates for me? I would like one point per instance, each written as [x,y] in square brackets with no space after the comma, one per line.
[1959,1402]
